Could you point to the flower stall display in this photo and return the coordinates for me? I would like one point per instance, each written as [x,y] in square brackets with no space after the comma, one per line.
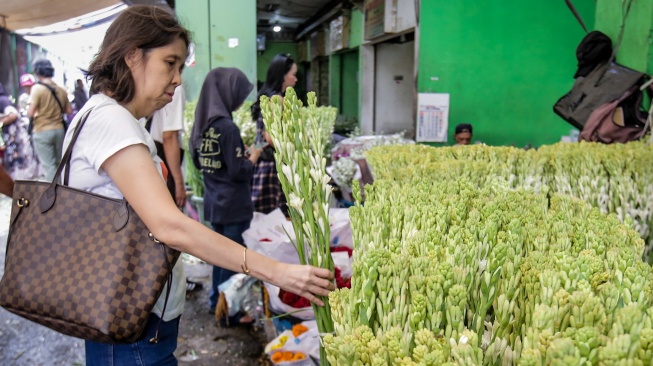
[193,175]
[616,178]
[246,125]
[348,160]
[299,153]
[447,273]
[326,118]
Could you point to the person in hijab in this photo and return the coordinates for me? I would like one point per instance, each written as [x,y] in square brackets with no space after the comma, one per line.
[219,153]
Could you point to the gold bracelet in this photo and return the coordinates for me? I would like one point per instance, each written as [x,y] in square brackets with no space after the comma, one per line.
[243,266]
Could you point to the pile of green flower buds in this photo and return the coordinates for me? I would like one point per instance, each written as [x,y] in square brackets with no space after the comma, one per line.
[326,117]
[449,272]
[615,178]
[246,124]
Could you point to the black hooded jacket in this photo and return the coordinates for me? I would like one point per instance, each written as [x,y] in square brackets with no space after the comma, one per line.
[218,150]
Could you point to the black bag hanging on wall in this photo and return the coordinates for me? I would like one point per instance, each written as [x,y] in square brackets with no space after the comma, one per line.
[604,84]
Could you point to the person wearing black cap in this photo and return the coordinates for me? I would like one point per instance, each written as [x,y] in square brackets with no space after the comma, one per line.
[48,103]
[463,134]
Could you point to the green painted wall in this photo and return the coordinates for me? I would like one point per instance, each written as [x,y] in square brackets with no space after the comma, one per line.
[344,86]
[350,85]
[504,63]
[636,50]
[335,78]
[213,23]
[356,40]
[357,25]
[273,48]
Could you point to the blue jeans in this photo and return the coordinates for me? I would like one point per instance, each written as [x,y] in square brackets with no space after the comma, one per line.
[140,353]
[235,233]
[48,145]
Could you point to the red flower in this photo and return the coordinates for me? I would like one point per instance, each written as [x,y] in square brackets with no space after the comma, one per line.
[293,300]
[299,302]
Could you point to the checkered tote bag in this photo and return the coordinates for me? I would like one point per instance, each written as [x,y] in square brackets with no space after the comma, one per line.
[82,264]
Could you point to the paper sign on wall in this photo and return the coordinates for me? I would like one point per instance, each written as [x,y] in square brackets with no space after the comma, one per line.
[432,117]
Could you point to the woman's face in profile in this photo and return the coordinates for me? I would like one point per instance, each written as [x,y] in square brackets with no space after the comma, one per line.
[157,75]
[290,79]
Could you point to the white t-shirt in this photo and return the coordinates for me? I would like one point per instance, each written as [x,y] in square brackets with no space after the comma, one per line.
[170,117]
[109,129]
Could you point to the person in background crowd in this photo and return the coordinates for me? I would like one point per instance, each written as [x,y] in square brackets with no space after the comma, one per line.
[8,113]
[136,72]
[164,127]
[463,134]
[80,95]
[19,158]
[267,194]
[48,103]
[26,81]
[218,151]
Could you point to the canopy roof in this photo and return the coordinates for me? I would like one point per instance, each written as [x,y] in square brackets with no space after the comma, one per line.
[21,14]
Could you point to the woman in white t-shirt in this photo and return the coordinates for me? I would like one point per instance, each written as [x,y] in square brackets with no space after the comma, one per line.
[134,74]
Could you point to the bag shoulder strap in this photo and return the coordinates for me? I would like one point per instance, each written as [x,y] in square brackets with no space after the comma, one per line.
[65,160]
[148,123]
[571,7]
[54,94]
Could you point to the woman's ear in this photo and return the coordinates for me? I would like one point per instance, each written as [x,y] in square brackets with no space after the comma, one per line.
[133,57]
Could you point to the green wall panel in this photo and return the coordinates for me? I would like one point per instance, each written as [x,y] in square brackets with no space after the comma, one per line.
[350,85]
[504,63]
[195,16]
[335,78]
[357,23]
[356,40]
[344,86]
[234,20]
[636,48]
[213,23]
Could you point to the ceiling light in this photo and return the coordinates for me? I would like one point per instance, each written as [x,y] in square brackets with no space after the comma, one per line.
[276,28]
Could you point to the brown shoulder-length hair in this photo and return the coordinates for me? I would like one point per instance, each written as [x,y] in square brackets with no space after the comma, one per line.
[141,26]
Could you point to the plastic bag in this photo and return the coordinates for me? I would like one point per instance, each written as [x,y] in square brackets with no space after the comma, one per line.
[342,261]
[279,307]
[237,291]
[268,235]
[340,223]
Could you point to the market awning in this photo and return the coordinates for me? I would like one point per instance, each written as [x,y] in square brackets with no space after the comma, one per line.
[21,14]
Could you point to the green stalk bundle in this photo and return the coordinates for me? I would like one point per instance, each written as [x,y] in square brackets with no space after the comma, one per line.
[299,147]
